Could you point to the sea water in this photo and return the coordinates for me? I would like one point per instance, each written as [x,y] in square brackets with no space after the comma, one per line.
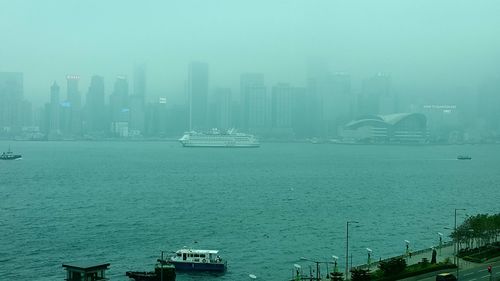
[263,208]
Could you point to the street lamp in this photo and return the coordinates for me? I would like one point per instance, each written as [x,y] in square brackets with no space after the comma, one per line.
[369,262]
[407,249]
[317,266]
[297,275]
[440,242]
[455,248]
[347,248]
[335,258]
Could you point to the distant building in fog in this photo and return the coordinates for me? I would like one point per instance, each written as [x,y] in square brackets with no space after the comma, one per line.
[119,107]
[54,126]
[255,102]
[72,108]
[281,110]
[393,128]
[197,89]
[377,96]
[223,108]
[95,109]
[137,101]
[488,103]
[11,99]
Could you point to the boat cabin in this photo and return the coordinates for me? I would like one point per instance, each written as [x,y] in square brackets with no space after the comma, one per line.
[202,256]
[85,272]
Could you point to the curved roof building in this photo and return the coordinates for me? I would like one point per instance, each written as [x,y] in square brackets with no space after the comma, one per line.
[393,128]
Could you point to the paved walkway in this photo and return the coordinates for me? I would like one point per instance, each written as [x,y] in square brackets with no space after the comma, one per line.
[445,252]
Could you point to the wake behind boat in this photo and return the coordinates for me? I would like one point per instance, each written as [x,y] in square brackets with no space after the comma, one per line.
[198,260]
[216,138]
[9,155]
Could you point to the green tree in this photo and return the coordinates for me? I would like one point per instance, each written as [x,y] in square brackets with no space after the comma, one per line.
[393,266]
[360,274]
[337,276]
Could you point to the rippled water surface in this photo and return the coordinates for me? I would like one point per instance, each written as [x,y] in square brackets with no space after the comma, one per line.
[124,202]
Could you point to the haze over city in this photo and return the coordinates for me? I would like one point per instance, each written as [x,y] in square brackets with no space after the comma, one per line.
[430,48]
[223,140]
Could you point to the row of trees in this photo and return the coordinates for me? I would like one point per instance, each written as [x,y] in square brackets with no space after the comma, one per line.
[477,231]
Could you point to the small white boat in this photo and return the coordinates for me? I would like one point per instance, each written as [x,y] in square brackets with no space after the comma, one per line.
[198,260]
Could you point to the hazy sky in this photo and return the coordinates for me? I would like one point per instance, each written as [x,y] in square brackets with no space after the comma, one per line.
[421,43]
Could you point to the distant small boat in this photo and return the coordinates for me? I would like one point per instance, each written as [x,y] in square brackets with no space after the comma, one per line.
[464,157]
[9,155]
[198,260]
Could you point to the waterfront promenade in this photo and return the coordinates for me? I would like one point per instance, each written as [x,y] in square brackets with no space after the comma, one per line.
[446,252]
[468,270]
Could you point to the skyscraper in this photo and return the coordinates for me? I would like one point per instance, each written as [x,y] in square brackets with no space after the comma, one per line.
[73,122]
[197,89]
[95,107]
[54,131]
[223,107]
[140,80]
[11,97]
[336,102]
[137,101]
[254,100]
[281,114]
[376,96]
[120,112]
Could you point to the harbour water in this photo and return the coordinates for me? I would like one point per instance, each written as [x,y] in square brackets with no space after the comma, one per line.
[124,202]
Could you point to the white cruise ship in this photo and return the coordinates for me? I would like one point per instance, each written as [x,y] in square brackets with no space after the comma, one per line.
[216,138]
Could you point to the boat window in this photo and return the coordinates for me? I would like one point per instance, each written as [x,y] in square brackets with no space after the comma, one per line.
[202,255]
[196,255]
[178,254]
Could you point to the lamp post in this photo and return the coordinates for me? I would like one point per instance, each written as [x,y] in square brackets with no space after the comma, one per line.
[455,248]
[318,275]
[369,261]
[297,275]
[407,251]
[440,242]
[347,248]
[335,258]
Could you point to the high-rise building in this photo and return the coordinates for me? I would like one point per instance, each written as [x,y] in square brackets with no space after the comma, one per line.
[140,80]
[11,97]
[317,73]
[54,130]
[197,89]
[223,108]
[488,105]
[281,110]
[138,100]
[300,114]
[120,111]
[255,102]
[376,96]
[95,107]
[281,113]
[73,116]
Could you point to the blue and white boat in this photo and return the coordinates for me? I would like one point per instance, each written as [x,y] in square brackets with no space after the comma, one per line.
[198,260]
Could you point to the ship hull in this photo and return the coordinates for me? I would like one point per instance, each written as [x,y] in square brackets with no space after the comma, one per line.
[220,145]
[194,266]
[14,157]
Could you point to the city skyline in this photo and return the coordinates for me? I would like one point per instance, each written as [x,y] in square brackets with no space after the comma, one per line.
[435,48]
